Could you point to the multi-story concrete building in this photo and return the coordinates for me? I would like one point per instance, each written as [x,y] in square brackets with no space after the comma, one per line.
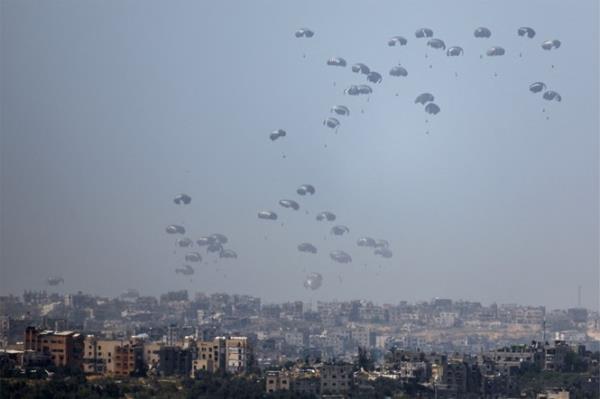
[226,354]
[277,381]
[336,378]
[64,348]
[111,357]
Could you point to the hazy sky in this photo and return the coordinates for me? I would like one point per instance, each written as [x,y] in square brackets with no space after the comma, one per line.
[111,108]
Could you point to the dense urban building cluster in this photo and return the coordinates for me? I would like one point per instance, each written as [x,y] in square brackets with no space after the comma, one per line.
[439,348]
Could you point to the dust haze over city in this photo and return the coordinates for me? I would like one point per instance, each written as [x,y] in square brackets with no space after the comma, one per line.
[109,110]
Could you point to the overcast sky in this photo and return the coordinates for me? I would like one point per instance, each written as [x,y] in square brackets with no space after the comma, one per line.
[111,108]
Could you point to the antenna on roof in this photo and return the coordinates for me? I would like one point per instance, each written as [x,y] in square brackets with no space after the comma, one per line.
[579,296]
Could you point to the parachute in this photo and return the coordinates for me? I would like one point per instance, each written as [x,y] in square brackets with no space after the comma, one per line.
[193,257]
[551,95]
[336,61]
[382,243]
[326,216]
[482,32]
[432,108]
[356,90]
[424,98]
[360,68]
[340,110]
[54,281]
[495,51]
[204,241]
[366,242]
[313,281]
[276,134]
[304,32]
[537,87]
[289,204]
[398,71]
[339,230]
[397,41]
[437,44]
[454,51]
[383,252]
[228,254]
[175,229]
[182,199]
[332,123]
[267,215]
[214,247]
[551,44]
[306,189]
[307,247]
[526,31]
[340,257]
[423,33]
[184,242]
[374,77]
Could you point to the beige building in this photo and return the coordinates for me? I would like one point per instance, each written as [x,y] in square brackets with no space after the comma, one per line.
[230,354]
[277,381]
[63,348]
[336,378]
[108,357]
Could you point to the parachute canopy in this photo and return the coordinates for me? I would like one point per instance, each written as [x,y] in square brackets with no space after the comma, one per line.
[360,68]
[397,41]
[551,44]
[424,98]
[383,252]
[374,77]
[437,44]
[184,242]
[289,204]
[551,95]
[313,281]
[228,254]
[326,216]
[398,71]
[304,32]
[340,110]
[331,123]
[356,90]
[454,51]
[307,247]
[423,33]
[537,87]
[336,61]
[306,189]
[182,199]
[495,51]
[366,242]
[54,281]
[267,215]
[193,257]
[482,33]
[340,257]
[276,134]
[432,108]
[175,229]
[526,31]
[339,230]
[203,241]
